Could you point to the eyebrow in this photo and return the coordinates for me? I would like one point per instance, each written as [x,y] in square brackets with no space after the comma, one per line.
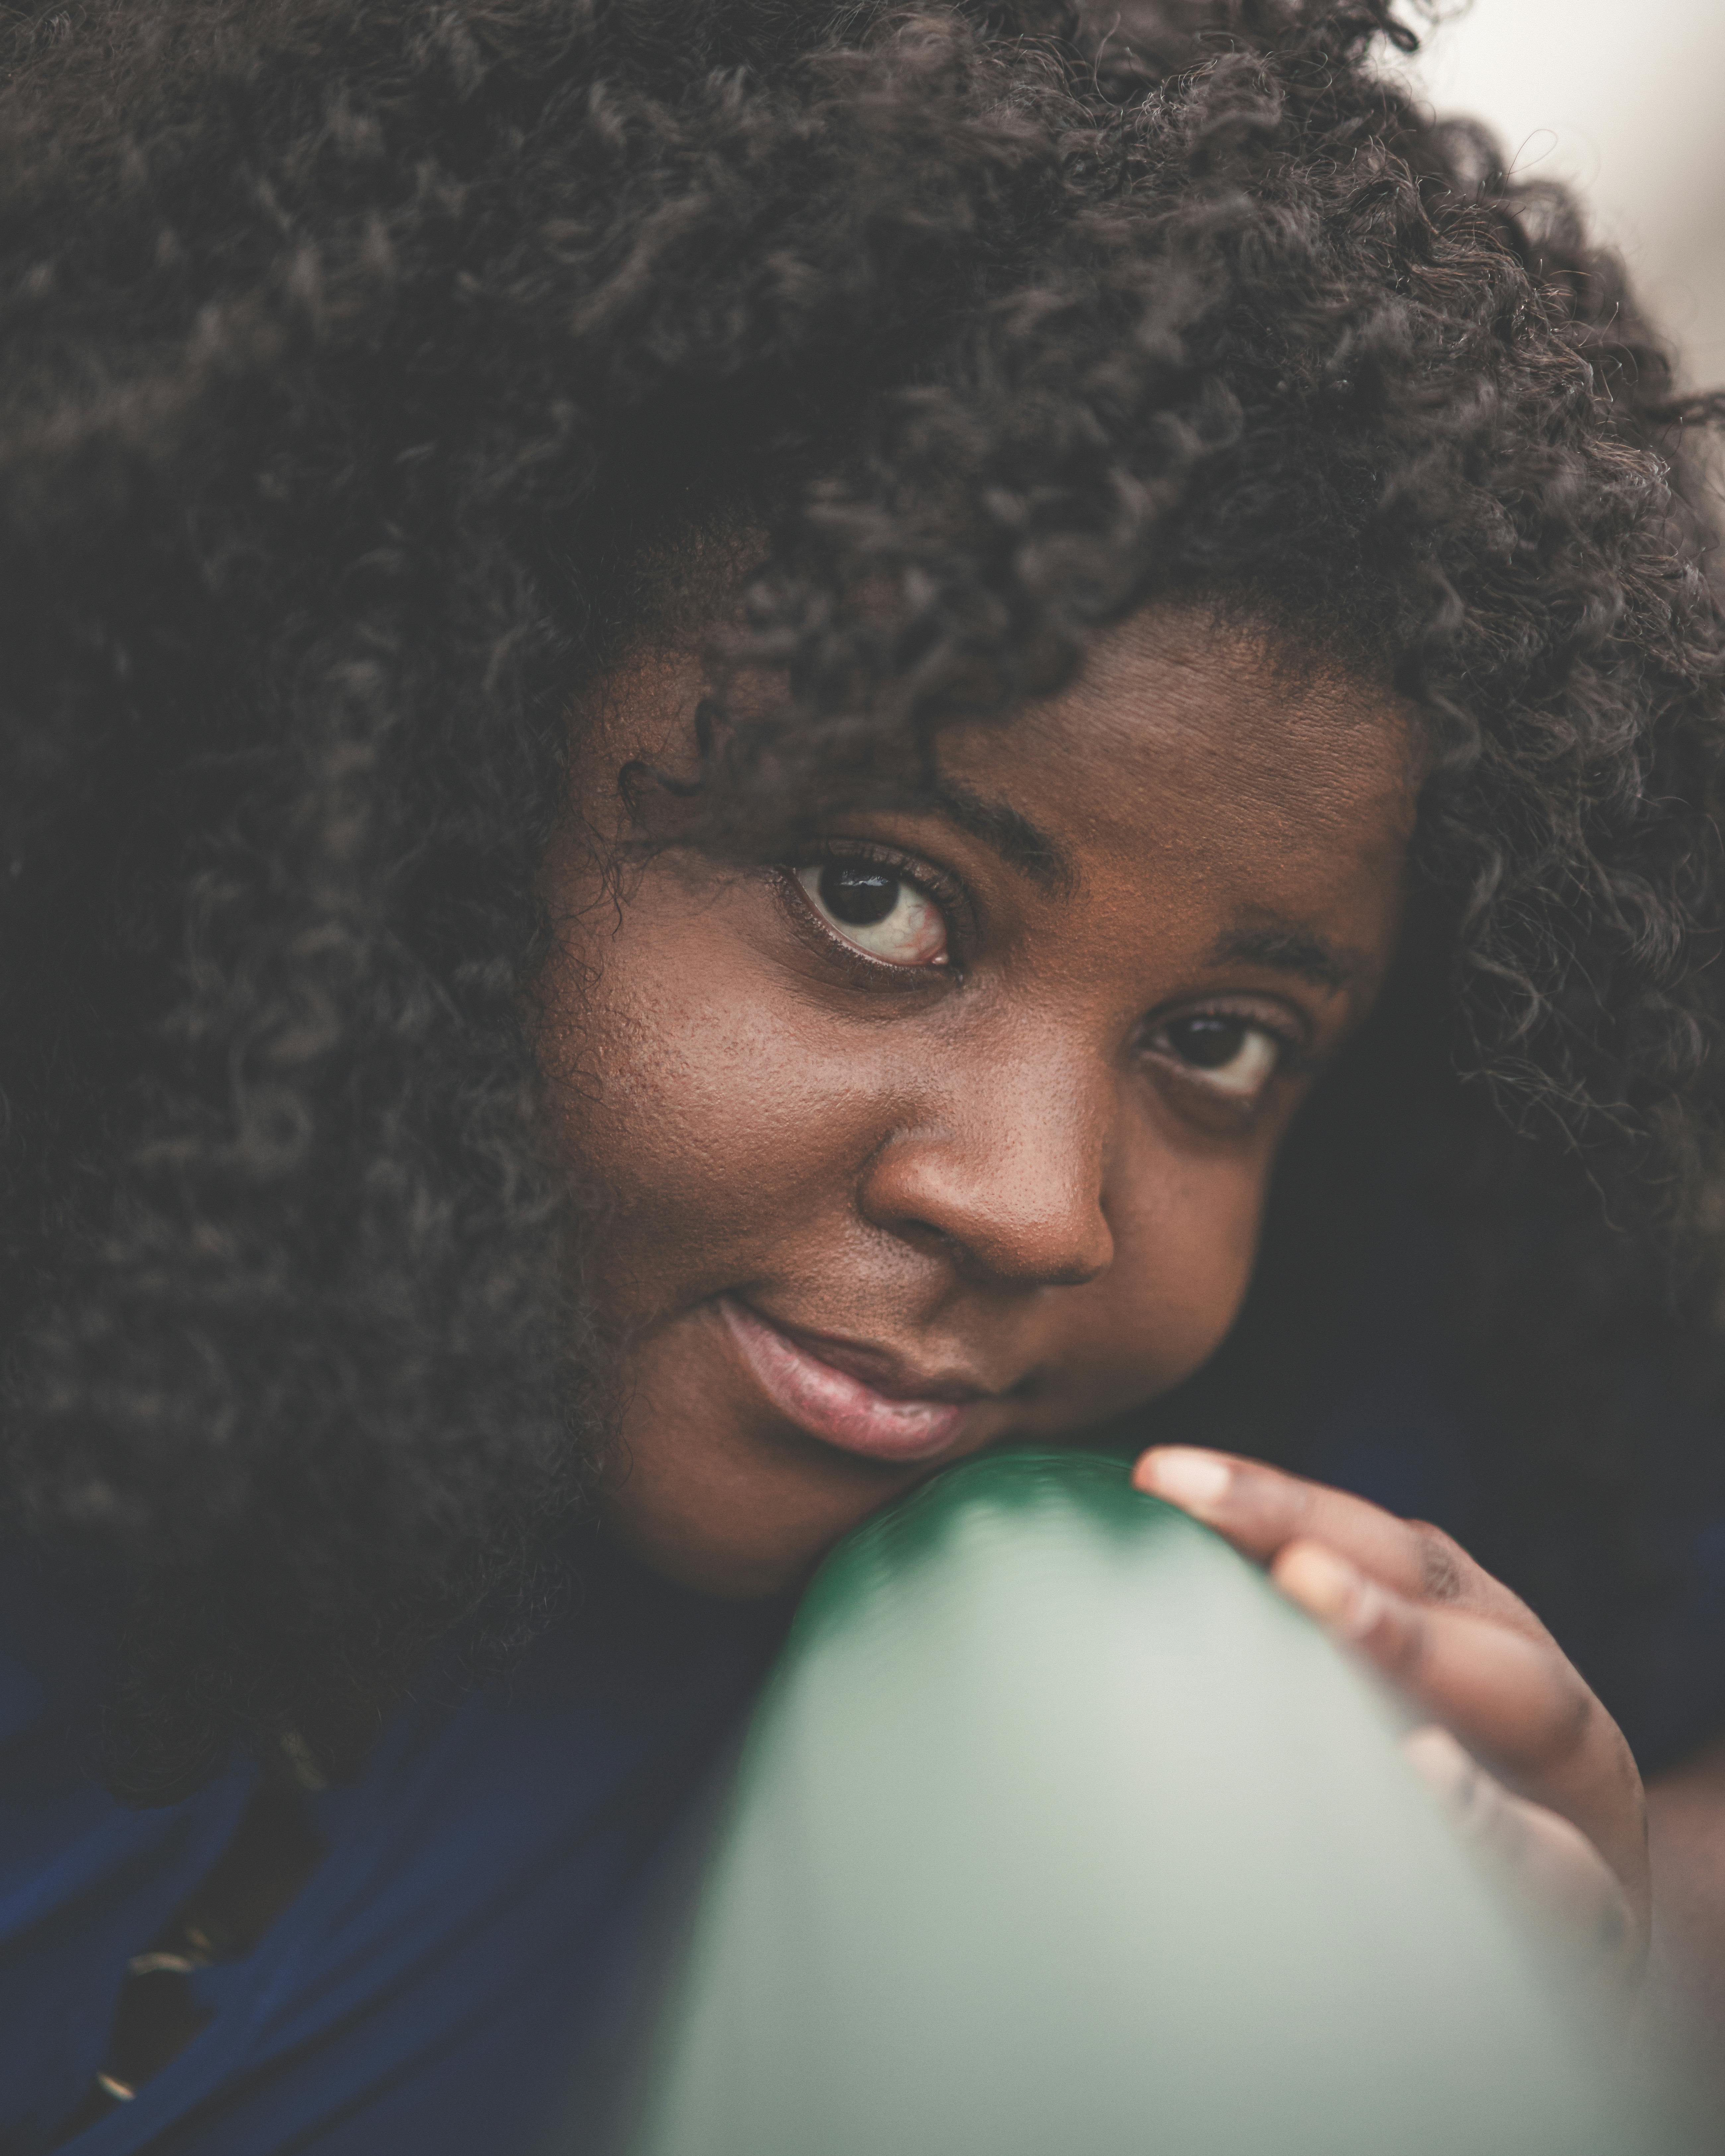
[1286,946]
[1026,846]
[1269,940]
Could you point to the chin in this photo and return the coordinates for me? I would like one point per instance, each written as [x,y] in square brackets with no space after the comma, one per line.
[734,1572]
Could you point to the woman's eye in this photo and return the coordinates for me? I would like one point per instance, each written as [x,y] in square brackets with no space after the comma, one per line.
[1232,1055]
[878,911]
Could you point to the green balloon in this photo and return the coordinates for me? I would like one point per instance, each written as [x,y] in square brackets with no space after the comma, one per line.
[1057,1830]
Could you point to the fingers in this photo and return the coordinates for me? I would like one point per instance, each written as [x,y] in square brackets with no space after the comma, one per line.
[1260,1509]
[1546,1860]
[1501,1692]
[1455,1640]
[1509,1694]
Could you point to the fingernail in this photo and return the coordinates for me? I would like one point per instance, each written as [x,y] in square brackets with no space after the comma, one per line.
[1329,1588]
[1195,1481]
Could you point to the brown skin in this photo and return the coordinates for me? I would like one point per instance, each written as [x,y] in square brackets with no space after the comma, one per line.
[1009,1157]
[1684,2005]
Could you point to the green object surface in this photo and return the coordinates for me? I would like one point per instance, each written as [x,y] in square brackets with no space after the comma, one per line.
[1057,1830]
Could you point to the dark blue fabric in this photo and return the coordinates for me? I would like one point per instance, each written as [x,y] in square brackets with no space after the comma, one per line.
[424,1991]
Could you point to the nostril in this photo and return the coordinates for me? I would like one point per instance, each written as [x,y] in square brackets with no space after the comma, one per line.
[1006,1196]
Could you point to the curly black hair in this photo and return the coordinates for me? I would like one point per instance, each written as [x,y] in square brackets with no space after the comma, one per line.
[371,377]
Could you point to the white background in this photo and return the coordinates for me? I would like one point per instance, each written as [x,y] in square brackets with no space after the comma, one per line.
[1625,100]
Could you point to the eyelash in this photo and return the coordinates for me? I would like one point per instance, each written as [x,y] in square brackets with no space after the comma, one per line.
[942,892]
[1292,1055]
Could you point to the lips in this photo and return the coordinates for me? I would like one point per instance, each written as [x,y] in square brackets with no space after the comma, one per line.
[838,1406]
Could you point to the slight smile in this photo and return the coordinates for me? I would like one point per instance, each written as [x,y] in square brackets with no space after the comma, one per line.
[838,1409]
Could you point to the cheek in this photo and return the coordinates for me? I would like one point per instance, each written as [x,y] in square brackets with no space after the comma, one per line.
[706,1110]
[1185,1240]
[1194,1254]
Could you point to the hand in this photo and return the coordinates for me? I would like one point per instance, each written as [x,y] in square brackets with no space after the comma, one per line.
[1526,1758]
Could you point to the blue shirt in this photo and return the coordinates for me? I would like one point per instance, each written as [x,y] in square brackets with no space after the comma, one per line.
[426,1989]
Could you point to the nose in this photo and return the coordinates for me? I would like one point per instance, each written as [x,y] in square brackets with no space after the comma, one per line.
[1008,1168]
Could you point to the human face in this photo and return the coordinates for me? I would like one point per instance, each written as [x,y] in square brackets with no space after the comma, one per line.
[957,1129]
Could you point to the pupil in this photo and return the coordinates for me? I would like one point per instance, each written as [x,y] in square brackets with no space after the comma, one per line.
[857,895]
[1210,1042]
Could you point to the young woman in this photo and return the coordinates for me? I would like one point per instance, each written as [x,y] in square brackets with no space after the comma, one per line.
[748,746]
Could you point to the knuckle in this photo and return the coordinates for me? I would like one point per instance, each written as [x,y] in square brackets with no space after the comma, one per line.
[1442,1564]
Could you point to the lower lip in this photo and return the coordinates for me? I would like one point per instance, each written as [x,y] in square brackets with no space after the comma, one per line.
[834,1407]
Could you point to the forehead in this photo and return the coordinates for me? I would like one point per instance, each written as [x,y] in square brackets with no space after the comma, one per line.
[1210,748]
